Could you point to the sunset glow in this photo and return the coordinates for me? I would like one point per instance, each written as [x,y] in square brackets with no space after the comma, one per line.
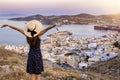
[60,6]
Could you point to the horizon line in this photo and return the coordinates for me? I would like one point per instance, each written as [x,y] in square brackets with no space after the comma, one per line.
[25,14]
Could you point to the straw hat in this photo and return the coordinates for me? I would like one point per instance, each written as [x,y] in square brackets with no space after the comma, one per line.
[32,28]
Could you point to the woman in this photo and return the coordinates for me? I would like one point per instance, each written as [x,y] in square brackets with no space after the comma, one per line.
[33,31]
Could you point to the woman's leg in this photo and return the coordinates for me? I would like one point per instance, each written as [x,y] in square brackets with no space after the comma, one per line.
[38,77]
[32,76]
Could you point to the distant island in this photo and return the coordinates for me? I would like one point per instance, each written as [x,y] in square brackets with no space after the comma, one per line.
[84,18]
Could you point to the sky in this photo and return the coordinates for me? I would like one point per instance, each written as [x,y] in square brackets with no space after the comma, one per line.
[59,7]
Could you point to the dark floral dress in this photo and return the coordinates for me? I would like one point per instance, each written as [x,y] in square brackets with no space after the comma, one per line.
[35,62]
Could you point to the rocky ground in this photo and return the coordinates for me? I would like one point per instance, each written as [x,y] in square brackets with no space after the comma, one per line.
[12,67]
[110,67]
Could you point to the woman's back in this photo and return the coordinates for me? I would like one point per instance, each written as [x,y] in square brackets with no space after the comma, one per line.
[34,44]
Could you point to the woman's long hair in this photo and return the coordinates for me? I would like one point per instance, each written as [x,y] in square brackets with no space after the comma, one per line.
[32,41]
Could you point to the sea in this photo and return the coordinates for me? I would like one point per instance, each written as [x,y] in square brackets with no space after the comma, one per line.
[12,37]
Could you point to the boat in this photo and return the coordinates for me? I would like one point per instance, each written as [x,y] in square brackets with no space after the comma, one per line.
[107,27]
[100,27]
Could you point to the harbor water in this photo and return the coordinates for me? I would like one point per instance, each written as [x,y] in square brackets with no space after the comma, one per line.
[9,36]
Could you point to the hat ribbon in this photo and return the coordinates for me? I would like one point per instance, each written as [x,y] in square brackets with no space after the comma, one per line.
[33,32]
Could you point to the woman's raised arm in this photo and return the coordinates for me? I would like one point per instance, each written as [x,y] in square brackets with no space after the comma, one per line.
[13,27]
[48,28]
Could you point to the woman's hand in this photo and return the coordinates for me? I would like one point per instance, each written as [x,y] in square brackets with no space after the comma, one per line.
[5,25]
[57,24]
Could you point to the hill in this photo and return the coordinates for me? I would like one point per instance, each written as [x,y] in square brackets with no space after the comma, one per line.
[82,18]
[12,67]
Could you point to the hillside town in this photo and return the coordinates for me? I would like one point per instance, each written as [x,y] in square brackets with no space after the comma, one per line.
[19,49]
[79,53]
